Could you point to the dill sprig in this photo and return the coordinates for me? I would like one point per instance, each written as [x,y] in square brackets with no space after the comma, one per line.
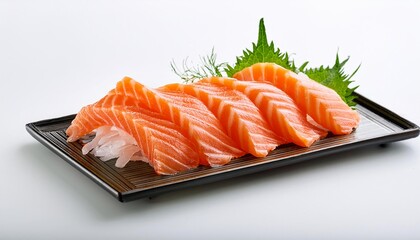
[208,68]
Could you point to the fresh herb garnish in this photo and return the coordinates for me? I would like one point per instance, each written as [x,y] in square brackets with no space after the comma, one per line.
[333,77]
[261,52]
[209,67]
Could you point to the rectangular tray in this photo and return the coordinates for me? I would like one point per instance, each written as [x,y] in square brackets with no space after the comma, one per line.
[138,180]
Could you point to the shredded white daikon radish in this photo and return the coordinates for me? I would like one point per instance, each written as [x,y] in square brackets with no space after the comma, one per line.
[111,142]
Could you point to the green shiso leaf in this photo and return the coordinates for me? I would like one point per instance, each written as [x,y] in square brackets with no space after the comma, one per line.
[335,78]
[261,52]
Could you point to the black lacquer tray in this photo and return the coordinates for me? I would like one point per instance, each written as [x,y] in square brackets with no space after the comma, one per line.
[138,180]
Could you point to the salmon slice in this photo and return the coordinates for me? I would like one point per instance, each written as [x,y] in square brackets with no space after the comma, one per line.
[238,115]
[321,103]
[214,146]
[160,141]
[284,117]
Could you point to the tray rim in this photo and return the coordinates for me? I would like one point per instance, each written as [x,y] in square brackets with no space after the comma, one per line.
[410,130]
[36,133]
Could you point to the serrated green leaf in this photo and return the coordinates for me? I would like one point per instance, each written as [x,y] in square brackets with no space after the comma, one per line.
[334,78]
[261,52]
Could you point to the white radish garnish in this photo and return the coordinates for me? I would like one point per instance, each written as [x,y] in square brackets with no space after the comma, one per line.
[111,142]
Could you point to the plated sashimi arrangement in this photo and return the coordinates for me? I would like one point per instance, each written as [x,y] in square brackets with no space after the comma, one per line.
[213,120]
[180,126]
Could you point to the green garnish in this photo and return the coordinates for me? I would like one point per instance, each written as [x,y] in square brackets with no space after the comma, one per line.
[261,52]
[333,77]
[209,67]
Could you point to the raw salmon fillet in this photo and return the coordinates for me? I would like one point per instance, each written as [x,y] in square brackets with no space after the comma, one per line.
[161,142]
[284,117]
[323,104]
[239,116]
[214,146]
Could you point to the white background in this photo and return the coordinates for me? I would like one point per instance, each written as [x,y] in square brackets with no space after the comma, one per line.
[56,56]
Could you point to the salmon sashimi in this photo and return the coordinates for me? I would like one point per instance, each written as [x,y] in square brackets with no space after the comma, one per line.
[158,141]
[239,116]
[284,117]
[214,146]
[321,103]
